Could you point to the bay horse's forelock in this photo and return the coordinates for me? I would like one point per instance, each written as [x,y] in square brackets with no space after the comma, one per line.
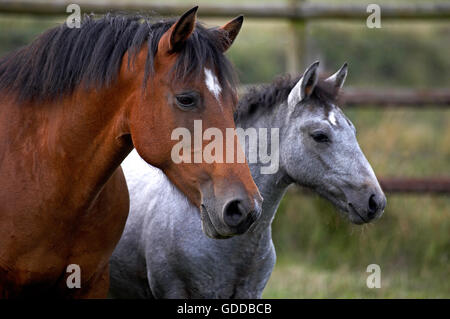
[63,198]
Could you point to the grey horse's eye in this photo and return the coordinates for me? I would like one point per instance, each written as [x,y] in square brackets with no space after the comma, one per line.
[320,137]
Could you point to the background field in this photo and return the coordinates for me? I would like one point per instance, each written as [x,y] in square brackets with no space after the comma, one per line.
[319,253]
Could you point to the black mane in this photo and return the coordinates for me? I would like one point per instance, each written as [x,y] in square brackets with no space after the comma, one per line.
[266,97]
[62,58]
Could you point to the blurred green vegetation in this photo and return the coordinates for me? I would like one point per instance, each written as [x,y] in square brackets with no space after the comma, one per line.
[319,253]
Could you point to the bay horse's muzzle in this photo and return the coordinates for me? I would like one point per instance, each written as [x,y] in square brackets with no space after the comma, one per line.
[229,213]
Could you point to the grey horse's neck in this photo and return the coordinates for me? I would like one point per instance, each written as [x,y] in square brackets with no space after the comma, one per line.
[271,186]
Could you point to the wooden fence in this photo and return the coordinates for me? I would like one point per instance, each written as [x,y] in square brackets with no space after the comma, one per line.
[298,12]
[294,10]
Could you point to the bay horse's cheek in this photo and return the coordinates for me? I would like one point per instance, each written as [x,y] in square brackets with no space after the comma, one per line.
[153,149]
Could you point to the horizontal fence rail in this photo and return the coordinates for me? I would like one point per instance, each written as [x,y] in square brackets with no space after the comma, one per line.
[416,185]
[395,97]
[388,97]
[294,11]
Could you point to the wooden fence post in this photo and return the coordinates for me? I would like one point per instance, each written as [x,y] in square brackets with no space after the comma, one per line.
[296,48]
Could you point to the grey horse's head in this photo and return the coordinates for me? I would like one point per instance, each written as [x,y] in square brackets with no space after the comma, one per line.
[323,140]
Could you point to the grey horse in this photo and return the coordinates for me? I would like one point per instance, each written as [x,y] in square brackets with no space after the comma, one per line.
[163,252]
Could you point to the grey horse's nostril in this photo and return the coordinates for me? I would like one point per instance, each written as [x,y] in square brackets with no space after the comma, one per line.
[373,206]
[234,213]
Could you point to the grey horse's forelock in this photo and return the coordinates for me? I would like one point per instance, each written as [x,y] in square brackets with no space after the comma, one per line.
[265,97]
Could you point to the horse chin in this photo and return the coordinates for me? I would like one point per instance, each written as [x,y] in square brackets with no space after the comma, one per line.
[207,225]
[354,216]
[348,212]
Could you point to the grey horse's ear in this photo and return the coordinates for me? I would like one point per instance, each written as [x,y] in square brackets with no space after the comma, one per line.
[305,86]
[338,79]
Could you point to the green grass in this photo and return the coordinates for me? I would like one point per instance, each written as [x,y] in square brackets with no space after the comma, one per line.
[296,279]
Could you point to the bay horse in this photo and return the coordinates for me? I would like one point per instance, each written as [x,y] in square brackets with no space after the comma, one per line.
[318,149]
[73,104]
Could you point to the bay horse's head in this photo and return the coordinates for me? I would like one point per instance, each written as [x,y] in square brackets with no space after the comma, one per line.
[323,139]
[190,80]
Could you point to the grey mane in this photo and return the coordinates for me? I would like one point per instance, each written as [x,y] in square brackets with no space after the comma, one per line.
[265,97]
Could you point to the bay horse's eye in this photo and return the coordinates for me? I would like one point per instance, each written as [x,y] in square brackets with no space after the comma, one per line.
[320,137]
[186,100]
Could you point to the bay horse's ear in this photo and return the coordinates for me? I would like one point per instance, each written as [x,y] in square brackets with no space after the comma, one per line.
[231,30]
[305,86]
[174,38]
[337,80]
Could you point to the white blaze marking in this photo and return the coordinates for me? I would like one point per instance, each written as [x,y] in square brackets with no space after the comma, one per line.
[332,118]
[212,83]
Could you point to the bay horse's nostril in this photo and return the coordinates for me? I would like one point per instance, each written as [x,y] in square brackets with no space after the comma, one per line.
[234,213]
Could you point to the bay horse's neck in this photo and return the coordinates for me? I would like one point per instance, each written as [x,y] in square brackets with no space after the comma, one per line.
[62,193]
[78,140]
[107,140]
